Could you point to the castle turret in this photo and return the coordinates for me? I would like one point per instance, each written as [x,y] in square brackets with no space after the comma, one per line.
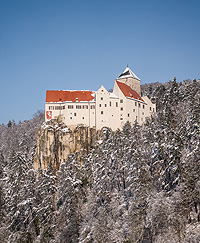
[130,79]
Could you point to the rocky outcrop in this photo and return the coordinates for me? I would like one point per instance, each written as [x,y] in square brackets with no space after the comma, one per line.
[55,141]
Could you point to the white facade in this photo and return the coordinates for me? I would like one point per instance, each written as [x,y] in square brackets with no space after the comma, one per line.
[101,108]
[72,113]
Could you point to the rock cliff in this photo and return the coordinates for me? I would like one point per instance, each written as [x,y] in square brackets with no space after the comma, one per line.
[55,141]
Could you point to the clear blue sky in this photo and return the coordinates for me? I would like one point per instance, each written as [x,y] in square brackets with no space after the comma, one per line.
[81,44]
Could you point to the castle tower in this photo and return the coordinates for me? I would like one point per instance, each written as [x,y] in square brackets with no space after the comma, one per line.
[129,78]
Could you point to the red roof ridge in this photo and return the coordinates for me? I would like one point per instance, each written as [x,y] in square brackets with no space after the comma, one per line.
[69,95]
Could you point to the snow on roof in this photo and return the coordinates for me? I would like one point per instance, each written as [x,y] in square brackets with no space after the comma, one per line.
[111,95]
[128,92]
[68,95]
[128,74]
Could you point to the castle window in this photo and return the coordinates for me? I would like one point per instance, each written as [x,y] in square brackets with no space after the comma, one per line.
[85,106]
[116,104]
[83,117]
[70,117]
[153,109]
[150,108]
[51,107]
[78,106]
[110,103]
[135,103]
[70,106]
[105,105]
[74,114]
[92,106]
[121,108]
[101,112]
[102,90]
[121,118]
[101,98]
[133,110]
[58,107]
[139,105]
[63,107]
[143,106]
[99,105]
[142,113]
[128,115]
[121,101]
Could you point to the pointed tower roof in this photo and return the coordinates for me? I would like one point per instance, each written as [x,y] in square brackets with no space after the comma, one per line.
[128,74]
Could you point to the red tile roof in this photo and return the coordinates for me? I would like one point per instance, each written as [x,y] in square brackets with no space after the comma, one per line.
[67,95]
[128,92]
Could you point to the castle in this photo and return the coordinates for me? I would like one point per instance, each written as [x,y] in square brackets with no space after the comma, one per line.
[101,108]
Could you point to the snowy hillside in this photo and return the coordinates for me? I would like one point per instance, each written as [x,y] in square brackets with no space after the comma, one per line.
[141,184]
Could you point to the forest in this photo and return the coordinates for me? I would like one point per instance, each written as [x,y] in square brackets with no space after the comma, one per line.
[140,184]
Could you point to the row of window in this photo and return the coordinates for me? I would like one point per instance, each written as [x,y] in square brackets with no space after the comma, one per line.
[110,104]
[128,113]
[121,118]
[139,105]
[75,115]
[62,107]
[121,101]
[136,118]
[81,107]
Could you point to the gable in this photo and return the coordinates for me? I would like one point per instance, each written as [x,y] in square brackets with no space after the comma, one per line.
[102,89]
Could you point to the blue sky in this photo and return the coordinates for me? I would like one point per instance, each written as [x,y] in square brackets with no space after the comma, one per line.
[81,44]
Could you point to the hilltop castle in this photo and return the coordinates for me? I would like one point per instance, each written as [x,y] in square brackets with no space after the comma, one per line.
[101,108]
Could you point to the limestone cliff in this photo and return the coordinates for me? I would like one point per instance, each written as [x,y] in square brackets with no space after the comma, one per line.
[55,141]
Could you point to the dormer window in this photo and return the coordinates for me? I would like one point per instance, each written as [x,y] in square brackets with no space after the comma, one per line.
[60,99]
[76,99]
